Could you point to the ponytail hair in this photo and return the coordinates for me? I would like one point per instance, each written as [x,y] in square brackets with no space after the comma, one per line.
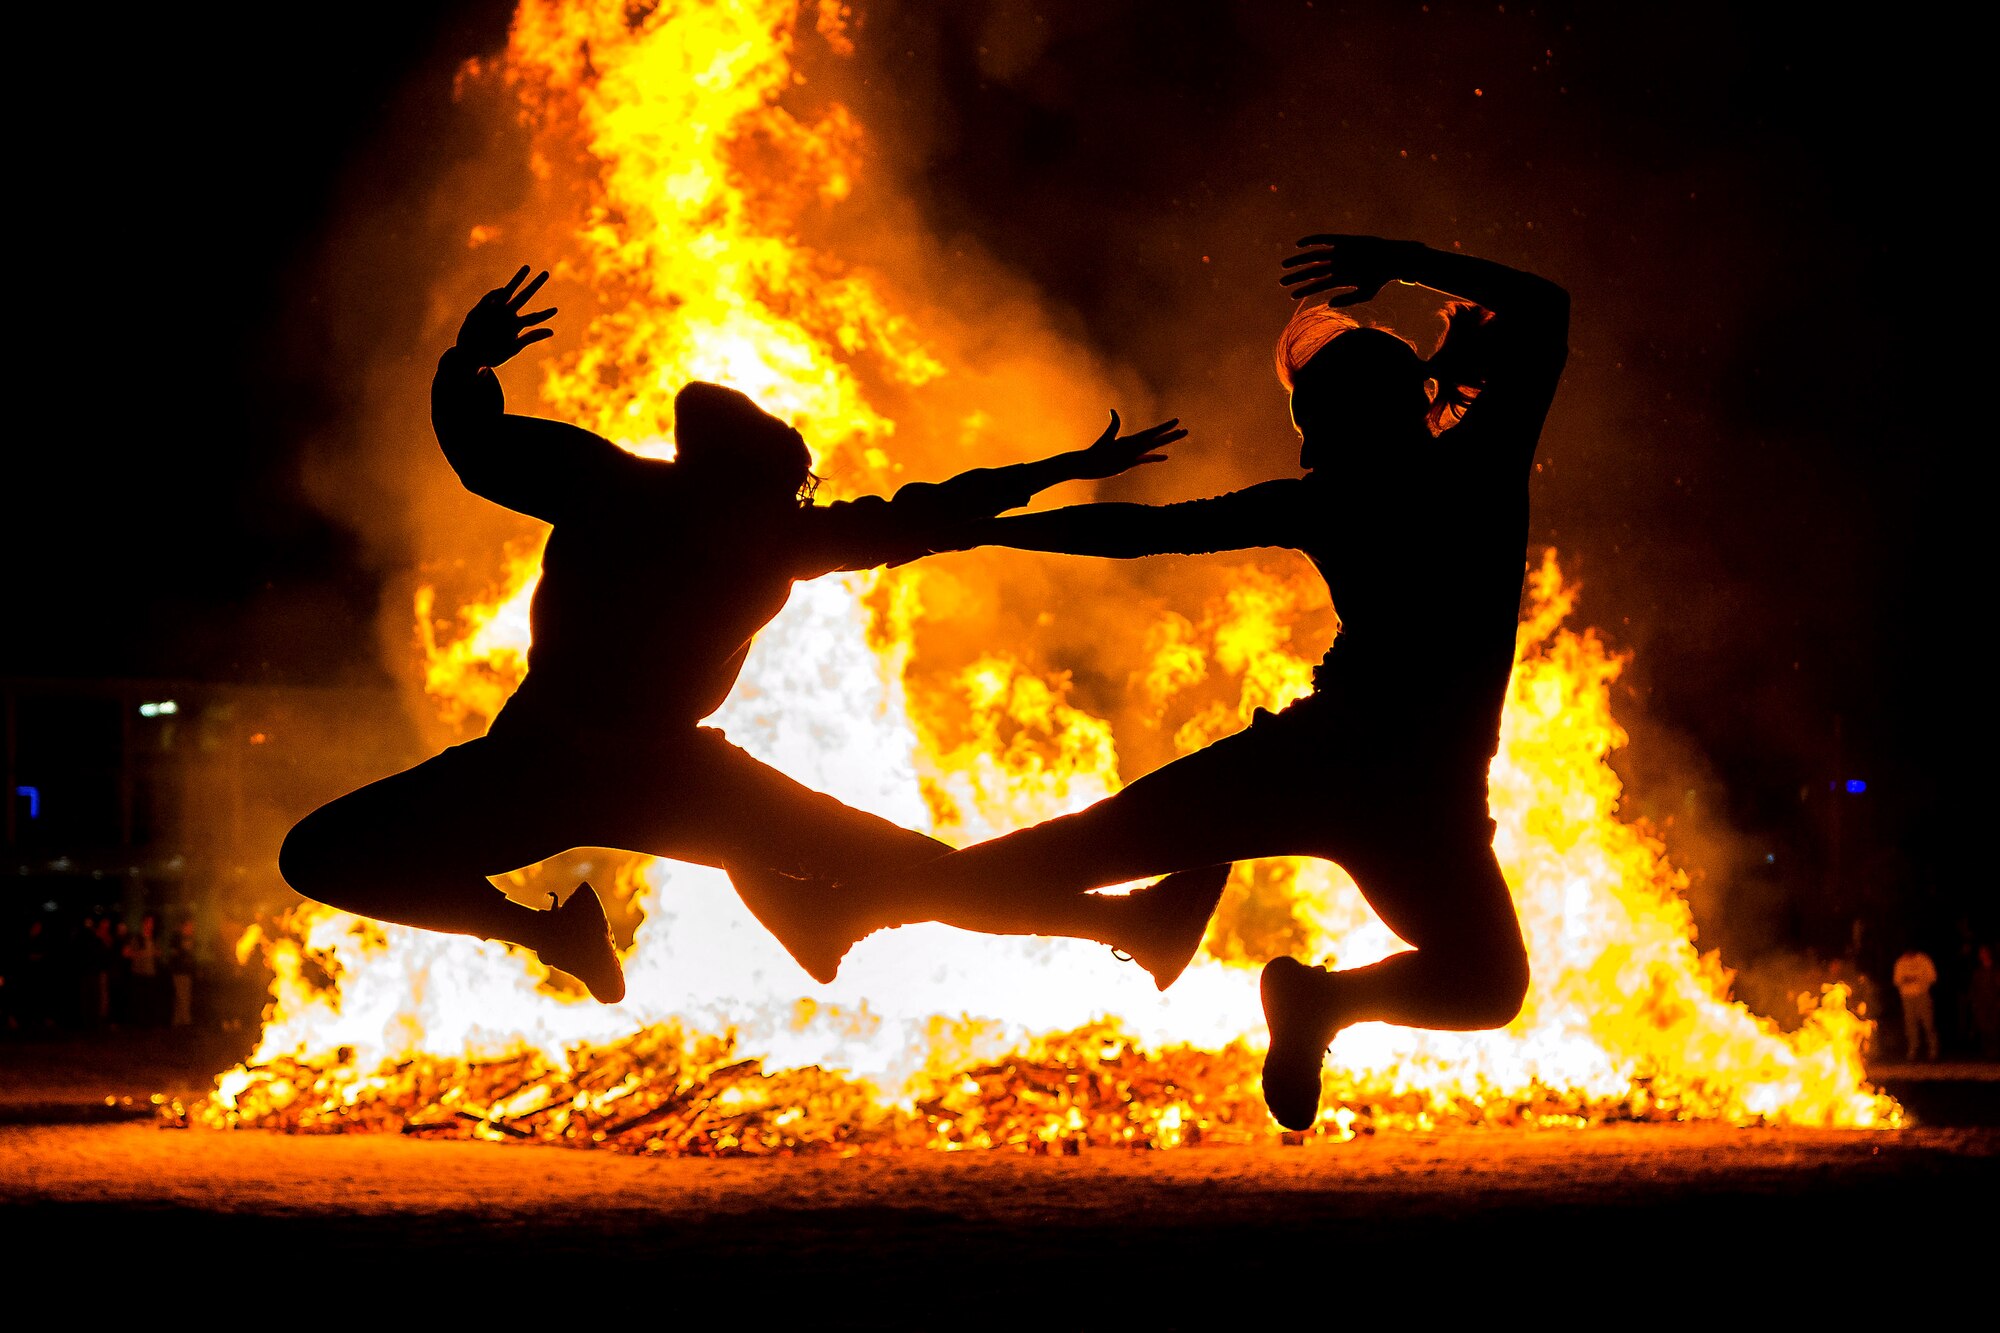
[1459,362]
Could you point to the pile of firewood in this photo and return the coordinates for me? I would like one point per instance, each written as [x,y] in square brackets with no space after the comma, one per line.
[665,1091]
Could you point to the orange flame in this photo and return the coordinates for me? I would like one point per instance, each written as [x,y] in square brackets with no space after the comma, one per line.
[699,177]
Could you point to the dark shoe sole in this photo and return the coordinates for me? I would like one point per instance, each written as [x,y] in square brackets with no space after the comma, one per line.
[1298,1046]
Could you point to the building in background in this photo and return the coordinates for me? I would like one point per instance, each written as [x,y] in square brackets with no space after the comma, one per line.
[171,797]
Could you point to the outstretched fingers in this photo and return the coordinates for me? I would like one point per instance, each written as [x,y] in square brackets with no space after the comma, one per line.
[1153,438]
[1165,433]
[515,300]
[1110,432]
[505,291]
[1317,271]
[495,329]
[1326,261]
[1113,453]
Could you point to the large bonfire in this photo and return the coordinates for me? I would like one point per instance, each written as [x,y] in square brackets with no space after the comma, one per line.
[696,175]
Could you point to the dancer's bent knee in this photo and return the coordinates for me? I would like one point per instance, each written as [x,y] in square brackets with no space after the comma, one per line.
[323,860]
[306,860]
[1490,981]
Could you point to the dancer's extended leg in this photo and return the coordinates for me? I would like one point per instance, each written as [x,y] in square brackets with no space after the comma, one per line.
[795,854]
[416,848]
[1440,889]
[1193,817]
[1215,806]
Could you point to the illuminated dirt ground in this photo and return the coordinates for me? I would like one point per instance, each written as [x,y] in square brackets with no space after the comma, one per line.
[1101,1227]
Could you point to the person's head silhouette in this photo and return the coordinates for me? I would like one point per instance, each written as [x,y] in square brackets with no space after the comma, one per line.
[728,443]
[1362,396]
[1358,394]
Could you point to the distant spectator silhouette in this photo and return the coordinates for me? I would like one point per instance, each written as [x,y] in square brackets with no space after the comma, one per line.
[181,973]
[1415,511]
[1914,976]
[655,579]
[142,963]
[98,951]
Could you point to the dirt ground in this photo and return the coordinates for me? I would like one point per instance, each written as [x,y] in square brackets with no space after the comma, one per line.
[977,1239]
[927,1229]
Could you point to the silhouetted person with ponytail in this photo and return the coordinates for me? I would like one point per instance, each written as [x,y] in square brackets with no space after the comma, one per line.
[655,578]
[1414,508]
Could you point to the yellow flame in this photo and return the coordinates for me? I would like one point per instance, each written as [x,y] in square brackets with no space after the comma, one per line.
[699,176]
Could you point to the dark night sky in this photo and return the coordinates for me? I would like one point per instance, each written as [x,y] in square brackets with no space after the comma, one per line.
[1747,205]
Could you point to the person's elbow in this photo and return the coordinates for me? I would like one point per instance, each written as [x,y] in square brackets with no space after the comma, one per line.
[461,449]
[1540,319]
[1551,308]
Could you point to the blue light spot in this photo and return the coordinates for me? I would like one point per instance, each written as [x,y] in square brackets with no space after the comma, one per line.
[1855,786]
[34,795]
[1770,858]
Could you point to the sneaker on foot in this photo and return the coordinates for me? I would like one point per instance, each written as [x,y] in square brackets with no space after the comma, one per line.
[1174,915]
[582,945]
[1303,1023]
[811,915]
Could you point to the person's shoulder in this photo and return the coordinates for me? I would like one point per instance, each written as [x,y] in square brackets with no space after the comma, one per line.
[815,524]
[1277,490]
[822,511]
[624,481]
[616,470]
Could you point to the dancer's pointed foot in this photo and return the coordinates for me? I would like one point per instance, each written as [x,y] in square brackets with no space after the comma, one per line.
[817,919]
[1172,919]
[580,944]
[1303,1011]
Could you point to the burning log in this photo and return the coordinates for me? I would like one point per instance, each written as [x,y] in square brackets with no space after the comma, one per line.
[671,1093]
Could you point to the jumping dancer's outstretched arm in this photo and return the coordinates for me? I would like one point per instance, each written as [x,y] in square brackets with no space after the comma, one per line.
[925,518]
[1267,514]
[531,465]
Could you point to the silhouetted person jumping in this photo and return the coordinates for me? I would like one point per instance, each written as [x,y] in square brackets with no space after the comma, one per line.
[1415,511]
[654,580]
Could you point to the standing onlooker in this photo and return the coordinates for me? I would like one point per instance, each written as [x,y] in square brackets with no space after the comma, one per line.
[98,952]
[180,967]
[1915,975]
[142,962]
[1982,1003]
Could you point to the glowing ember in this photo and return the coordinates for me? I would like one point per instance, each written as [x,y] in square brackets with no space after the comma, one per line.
[700,178]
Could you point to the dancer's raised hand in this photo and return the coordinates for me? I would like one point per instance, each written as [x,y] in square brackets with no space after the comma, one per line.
[1111,453]
[1330,260]
[495,330]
